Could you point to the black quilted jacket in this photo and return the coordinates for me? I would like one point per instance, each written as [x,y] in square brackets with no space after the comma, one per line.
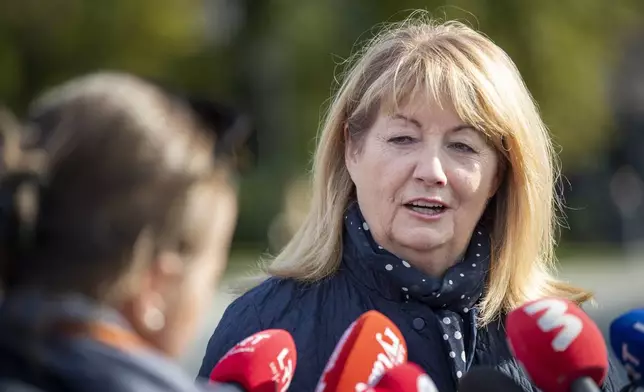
[317,315]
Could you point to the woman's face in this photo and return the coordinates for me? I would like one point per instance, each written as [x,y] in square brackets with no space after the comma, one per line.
[423,178]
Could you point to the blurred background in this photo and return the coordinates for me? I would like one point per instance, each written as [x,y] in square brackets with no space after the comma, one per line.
[276,60]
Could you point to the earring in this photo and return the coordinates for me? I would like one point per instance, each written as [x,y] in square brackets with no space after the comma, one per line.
[154,319]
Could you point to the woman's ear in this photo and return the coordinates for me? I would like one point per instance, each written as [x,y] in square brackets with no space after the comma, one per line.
[349,150]
[166,276]
[499,176]
[148,308]
[345,135]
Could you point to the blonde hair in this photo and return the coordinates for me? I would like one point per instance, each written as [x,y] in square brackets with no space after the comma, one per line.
[445,60]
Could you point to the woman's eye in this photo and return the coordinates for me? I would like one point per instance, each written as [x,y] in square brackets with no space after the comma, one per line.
[401,140]
[462,147]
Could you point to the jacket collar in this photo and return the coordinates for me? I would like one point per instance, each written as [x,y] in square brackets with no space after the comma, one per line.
[395,279]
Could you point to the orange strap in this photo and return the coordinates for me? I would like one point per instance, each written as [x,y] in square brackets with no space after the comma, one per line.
[109,334]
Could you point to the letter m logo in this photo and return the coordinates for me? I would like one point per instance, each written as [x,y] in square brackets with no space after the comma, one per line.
[555,316]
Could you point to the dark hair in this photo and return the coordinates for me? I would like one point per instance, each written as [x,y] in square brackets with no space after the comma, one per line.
[122,159]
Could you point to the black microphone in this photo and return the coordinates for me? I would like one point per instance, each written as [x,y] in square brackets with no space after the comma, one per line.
[487,379]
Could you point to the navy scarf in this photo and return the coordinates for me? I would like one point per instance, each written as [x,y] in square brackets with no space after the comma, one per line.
[451,297]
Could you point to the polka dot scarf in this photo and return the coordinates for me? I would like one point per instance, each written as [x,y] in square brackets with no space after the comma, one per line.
[452,297]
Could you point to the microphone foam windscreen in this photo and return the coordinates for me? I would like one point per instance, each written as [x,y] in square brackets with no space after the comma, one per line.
[557,343]
[627,341]
[406,377]
[370,345]
[263,362]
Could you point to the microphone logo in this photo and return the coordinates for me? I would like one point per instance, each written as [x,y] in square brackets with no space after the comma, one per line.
[394,350]
[283,368]
[254,339]
[630,361]
[248,345]
[639,327]
[425,384]
[394,354]
[554,317]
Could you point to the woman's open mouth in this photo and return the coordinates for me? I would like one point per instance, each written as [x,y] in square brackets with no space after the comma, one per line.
[426,208]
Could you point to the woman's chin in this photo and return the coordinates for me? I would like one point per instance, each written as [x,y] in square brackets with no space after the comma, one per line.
[424,239]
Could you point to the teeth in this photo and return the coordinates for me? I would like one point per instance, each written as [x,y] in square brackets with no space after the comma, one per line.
[428,205]
[427,211]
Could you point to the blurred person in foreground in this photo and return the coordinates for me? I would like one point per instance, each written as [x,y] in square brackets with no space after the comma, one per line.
[117,222]
[433,203]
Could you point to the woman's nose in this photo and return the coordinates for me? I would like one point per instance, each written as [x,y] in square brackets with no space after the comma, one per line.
[430,169]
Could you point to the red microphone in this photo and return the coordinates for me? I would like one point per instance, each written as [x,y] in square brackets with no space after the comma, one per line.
[263,362]
[367,348]
[558,345]
[406,377]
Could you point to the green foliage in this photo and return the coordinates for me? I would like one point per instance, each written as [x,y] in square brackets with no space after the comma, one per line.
[279,65]
[45,42]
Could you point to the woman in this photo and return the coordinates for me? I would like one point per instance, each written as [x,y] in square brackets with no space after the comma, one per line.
[112,248]
[432,203]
